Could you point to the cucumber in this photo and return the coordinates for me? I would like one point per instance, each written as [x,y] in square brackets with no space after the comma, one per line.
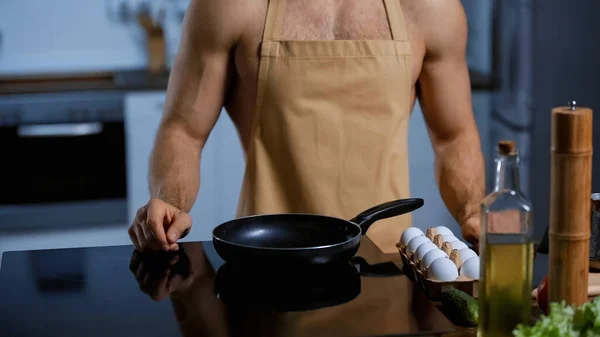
[461,308]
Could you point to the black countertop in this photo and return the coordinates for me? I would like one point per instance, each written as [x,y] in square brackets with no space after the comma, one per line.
[115,291]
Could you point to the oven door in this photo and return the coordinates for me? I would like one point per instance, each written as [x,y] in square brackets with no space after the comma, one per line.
[68,174]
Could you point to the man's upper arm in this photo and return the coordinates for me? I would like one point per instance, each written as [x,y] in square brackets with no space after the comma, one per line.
[444,85]
[201,71]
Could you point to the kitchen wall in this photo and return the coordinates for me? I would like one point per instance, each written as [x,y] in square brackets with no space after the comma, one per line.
[566,67]
[41,36]
[479,48]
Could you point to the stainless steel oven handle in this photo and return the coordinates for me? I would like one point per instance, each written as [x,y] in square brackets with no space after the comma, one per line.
[59,130]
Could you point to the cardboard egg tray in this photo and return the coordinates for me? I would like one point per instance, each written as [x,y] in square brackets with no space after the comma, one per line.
[433,288]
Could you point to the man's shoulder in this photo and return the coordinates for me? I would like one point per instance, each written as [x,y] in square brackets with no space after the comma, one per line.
[423,11]
[233,16]
[230,7]
[439,23]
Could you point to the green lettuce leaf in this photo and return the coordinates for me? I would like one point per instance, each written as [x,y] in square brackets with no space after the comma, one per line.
[565,321]
[557,324]
[587,318]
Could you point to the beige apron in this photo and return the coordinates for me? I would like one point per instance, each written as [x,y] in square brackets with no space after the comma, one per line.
[330,130]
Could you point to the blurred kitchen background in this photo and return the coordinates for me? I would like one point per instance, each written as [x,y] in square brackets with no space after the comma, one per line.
[82,86]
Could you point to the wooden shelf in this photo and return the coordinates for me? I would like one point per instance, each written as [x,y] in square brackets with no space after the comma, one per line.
[131,80]
[134,80]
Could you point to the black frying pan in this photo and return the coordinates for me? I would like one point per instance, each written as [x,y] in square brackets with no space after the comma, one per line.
[300,238]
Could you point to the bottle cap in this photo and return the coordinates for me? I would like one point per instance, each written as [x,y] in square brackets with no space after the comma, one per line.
[507,148]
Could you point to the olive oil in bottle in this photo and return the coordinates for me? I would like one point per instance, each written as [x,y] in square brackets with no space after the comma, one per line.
[506,250]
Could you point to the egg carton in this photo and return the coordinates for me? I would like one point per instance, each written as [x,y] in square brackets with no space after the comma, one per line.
[433,288]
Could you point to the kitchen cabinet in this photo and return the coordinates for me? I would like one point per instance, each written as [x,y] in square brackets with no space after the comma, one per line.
[221,167]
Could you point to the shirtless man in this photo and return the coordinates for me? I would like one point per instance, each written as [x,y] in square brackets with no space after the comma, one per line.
[320,93]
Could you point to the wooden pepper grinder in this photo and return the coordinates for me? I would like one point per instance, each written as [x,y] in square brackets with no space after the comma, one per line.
[571,181]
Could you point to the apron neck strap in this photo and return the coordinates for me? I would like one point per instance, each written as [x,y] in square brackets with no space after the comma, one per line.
[273,23]
[395,16]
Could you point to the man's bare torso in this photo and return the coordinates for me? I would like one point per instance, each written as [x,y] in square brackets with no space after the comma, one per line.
[217,64]
[310,20]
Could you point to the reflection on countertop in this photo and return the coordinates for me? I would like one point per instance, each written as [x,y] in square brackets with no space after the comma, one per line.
[115,291]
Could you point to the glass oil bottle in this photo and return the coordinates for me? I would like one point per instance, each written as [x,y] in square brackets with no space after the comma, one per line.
[506,250]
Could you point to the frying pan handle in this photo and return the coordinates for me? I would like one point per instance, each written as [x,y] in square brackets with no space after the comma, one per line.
[387,210]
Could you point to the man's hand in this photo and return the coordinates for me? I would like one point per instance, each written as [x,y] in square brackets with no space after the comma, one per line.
[471,228]
[158,225]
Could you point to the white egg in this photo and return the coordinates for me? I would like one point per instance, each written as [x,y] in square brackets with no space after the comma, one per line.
[442,270]
[409,234]
[439,230]
[466,253]
[458,245]
[448,247]
[440,239]
[422,250]
[470,268]
[415,243]
[460,256]
[449,238]
[443,230]
[431,256]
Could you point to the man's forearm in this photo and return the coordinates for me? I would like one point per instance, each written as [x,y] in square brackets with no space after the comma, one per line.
[175,169]
[460,173]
